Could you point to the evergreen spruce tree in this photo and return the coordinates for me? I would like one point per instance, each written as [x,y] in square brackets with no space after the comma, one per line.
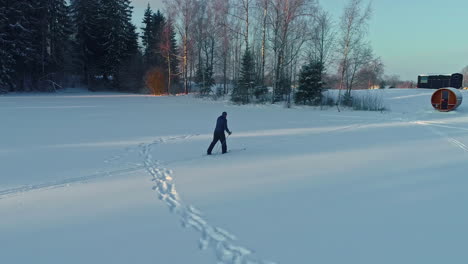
[85,15]
[130,76]
[131,72]
[284,86]
[59,36]
[7,61]
[159,21]
[131,42]
[200,80]
[36,39]
[27,40]
[260,93]
[209,80]
[154,61]
[174,55]
[310,84]
[112,27]
[241,92]
[204,79]
[131,35]
[50,30]
[118,40]
[148,34]
[382,84]
[151,38]
[19,50]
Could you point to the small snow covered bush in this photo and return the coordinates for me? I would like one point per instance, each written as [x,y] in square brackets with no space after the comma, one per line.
[367,101]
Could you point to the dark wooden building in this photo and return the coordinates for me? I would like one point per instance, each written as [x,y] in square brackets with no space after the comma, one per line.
[440,81]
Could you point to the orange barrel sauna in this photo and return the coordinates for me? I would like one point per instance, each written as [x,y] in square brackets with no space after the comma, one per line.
[446,99]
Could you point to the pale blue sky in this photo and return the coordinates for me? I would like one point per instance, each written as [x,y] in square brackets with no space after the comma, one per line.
[411,36]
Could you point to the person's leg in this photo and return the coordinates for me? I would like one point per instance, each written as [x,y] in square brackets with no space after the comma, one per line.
[213,143]
[223,142]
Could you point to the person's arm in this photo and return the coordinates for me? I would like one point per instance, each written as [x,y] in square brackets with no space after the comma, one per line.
[226,127]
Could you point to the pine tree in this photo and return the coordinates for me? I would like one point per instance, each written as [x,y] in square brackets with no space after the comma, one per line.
[130,76]
[382,84]
[26,36]
[147,37]
[199,80]
[36,38]
[174,55]
[155,70]
[59,35]
[110,19]
[131,44]
[118,40]
[241,92]
[310,84]
[131,72]
[260,93]
[151,38]
[131,35]
[50,31]
[204,79]
[24,44]
[159,21]
[7,61]
[41,32]
[88,53]
[39,29]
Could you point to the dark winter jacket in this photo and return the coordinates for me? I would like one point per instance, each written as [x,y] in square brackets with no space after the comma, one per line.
[221,125]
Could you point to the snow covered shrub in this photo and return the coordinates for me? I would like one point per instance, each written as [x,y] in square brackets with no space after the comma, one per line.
[218,92]
[369,101]
[328,100]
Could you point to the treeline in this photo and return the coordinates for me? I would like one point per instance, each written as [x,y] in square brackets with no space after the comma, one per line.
[254,50]
[34,43]
[49,44]
[250,50]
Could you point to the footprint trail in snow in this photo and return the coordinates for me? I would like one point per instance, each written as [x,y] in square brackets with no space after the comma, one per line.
[219,240]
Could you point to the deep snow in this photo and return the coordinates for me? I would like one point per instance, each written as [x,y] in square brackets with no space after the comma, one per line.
[112,178]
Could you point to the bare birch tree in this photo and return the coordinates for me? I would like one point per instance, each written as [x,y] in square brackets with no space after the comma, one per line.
[183,13]
[280,34]
[167,53]
[264,5]
[283,17]
[359,59]
[223,32]
[246,7]
[353,30]
[323,39]
[464,71]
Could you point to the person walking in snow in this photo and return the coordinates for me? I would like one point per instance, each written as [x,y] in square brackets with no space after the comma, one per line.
[221,126]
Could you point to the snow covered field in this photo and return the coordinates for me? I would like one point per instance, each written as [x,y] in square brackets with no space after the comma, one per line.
[112,178]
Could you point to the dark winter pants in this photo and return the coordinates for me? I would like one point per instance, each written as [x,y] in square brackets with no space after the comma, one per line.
[221,137]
